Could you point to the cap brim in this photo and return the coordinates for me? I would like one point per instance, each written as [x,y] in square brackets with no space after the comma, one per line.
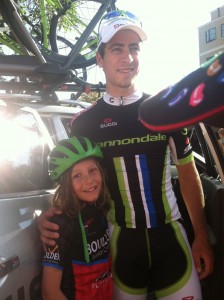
[107,37]
[199,97]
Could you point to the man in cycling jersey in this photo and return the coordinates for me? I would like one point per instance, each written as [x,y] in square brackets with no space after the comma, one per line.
[149,245]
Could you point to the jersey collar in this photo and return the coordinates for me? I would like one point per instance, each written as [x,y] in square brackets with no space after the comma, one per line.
[121,101]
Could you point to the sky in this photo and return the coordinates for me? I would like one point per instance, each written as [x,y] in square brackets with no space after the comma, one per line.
[171,50]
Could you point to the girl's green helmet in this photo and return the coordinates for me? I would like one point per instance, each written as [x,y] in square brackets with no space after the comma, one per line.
[68,152]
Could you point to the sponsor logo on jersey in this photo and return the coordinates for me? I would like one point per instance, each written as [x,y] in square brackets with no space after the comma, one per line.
[87,224]
[135,140]
[52,254]
[102,280]
[187,149]
[97,245]
[108,122]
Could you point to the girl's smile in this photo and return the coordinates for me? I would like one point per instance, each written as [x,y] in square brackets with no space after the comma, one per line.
[86,180]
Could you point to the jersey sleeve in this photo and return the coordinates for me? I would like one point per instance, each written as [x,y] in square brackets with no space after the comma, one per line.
[77,125]
[58,256]
[180,146]
[84,122]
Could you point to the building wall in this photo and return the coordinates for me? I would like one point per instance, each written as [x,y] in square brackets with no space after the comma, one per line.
[214,43]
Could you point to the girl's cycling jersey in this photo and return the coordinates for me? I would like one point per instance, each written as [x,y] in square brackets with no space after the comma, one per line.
[137,162]
[82,253]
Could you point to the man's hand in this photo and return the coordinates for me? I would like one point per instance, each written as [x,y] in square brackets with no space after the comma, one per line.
[203,256]
[48,230]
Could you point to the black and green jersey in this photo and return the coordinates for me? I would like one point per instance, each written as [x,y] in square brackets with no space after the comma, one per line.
[82,253]
[137,162]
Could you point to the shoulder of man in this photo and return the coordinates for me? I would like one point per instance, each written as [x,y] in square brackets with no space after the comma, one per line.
[89,109]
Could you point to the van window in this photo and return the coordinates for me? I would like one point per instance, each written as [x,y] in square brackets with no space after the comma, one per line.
[23,155]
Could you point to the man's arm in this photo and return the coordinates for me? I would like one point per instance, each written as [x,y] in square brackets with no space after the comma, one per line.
[48,230]
[193,196]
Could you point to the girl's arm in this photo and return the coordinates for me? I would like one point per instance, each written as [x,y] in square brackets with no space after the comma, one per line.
[51,282]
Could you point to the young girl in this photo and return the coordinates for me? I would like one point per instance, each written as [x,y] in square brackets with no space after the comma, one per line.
[78,266]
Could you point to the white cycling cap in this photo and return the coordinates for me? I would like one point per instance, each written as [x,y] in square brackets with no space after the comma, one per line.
[118,20]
